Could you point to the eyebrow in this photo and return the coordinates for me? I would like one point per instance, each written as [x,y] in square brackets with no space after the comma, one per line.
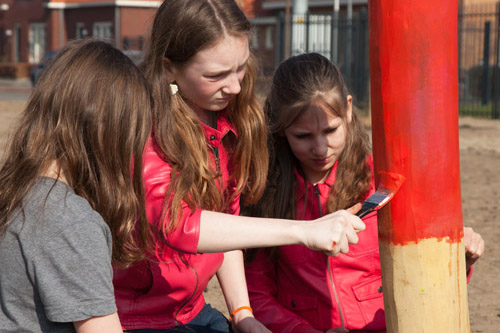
[224,72]
[306,131]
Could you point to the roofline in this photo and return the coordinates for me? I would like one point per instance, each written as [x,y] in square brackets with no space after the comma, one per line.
[117,3]
[264,20]
[319,3]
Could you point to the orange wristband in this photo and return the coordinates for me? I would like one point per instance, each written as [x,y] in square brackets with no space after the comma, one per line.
[238,310]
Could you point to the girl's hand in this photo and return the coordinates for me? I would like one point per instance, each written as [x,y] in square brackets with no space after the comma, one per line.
[246,323]
[334,232]
[474,246]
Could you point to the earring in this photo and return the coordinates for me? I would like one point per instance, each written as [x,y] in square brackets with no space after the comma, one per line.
[174,88]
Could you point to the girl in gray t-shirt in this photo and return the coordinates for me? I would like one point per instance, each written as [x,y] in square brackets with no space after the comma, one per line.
[71,193]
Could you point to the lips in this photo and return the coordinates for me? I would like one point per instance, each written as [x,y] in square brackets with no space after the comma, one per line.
[225,100]
[322,161]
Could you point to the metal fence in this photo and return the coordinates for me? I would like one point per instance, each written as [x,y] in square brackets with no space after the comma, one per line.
[478,55]
[318,32]
[479,60]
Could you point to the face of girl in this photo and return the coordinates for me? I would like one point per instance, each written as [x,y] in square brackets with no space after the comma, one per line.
[211,79]
[317,138]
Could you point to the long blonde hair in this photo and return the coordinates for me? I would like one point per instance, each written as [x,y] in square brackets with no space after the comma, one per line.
[298,82]
[90,115]
[180,30]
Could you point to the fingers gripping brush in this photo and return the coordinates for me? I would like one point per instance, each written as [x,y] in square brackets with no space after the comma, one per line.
[389,185]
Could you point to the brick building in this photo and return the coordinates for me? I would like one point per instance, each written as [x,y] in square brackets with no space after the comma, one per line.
[30,28]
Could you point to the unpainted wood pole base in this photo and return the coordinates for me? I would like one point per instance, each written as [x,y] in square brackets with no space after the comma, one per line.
[425,287]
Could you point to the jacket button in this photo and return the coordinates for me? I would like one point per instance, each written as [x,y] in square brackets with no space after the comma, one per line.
[294,304]
[380,289]
[212,137]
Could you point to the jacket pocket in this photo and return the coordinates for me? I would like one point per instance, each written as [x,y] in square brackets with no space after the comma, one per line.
[369,289]
[370,303]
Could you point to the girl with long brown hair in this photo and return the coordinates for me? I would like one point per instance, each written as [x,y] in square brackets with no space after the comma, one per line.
[71,191]
[208,147]
[319,162]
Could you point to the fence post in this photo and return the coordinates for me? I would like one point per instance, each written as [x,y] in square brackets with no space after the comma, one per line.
[308,22]
[335,33]
[486,64]
[288,29]
[348,44]
[362,58]
[496,69]
[461,34]
[459,30]
[280,52]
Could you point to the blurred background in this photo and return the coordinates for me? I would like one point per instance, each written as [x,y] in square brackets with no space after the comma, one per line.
[31,31]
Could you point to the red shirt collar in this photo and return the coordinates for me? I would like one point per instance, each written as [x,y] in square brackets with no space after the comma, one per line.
[324,187]
[224,126]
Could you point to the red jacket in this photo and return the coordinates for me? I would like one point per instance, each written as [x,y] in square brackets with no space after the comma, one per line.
[304,289]
[168,290]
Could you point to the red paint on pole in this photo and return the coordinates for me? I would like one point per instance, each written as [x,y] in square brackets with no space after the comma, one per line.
[414,92]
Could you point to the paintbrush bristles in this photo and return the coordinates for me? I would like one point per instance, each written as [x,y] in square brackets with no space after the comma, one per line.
[388,187]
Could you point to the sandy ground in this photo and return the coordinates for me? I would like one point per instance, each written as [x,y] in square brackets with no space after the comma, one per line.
[480,173]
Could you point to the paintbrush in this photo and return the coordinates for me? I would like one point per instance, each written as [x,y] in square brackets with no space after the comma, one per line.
[389,184]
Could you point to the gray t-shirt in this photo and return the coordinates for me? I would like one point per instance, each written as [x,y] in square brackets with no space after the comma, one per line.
[55,263]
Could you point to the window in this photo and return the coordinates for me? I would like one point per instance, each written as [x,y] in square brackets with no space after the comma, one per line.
[255,38]
[269,38]
[102,30]
[81,32]
[36,41]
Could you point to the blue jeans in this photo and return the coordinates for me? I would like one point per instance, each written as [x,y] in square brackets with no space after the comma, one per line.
[209,320]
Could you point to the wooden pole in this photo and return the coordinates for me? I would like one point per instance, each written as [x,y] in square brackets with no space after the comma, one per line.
[414,91]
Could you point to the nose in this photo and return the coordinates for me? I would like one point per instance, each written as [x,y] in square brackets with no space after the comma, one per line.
[232,86]
[320,147]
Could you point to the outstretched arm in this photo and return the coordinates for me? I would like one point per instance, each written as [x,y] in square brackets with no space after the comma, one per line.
[205,231]
[331,233]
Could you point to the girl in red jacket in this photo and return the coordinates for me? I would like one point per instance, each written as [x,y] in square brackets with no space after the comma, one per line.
[319,163]
[209,145]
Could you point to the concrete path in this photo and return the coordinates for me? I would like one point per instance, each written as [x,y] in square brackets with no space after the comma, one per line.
[15,90]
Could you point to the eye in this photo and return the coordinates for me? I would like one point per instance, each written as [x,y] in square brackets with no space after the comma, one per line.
[331,130]
[216,76]
[302,136]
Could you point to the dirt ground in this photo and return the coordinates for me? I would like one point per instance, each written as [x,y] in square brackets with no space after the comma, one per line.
[480,173]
